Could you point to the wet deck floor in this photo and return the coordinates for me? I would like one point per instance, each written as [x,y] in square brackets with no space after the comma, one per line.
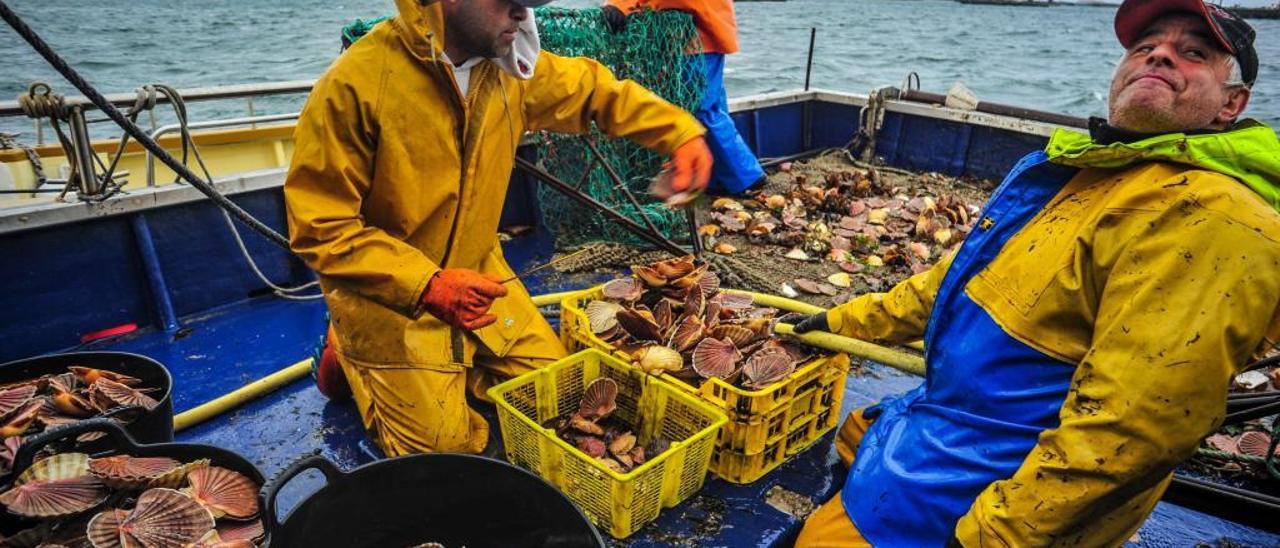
[229,347]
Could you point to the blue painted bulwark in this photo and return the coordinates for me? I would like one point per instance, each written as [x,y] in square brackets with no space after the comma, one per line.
[68,280]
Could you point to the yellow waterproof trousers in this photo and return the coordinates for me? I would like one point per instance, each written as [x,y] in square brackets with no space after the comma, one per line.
[829,526]
[423,408]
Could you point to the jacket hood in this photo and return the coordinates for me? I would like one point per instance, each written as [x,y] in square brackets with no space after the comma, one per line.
[421,27]
[1249,152]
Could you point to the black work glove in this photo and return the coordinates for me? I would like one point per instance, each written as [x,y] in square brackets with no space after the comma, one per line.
[614,17]
[815,322]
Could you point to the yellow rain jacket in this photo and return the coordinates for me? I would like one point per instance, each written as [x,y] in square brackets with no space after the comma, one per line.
[1080,343]
[396,175]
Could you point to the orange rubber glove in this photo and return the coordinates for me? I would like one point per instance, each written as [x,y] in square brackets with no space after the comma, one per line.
[462,297]
[689,170]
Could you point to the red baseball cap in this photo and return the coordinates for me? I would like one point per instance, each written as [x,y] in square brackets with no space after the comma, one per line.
[1232,33]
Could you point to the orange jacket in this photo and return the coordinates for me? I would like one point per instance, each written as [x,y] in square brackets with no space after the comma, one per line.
[714,19]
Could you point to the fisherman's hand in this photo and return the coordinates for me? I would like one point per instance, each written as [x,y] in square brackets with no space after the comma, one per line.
[685,175]
[614,17]
[462,297]
[814,322]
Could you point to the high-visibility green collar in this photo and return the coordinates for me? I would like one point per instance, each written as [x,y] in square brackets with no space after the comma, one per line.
[1249,152]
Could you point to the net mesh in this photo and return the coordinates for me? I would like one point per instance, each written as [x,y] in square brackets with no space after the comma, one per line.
[654,50]
[657,50]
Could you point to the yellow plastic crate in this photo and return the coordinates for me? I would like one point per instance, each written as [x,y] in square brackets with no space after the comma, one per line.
[617,503]
[765,426]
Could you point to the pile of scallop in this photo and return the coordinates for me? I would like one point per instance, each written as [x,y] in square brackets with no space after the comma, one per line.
[31,406]
[595,432]
[73,500]
[672,317]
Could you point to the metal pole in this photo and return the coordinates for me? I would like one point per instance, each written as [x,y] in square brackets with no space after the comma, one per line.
[626,223]
[155,274]
[808,68]
[90,186]
[621,185]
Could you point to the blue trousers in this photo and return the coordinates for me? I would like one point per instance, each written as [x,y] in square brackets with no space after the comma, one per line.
[736,167]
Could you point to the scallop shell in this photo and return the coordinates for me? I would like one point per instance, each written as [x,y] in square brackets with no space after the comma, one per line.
[623,289]
[71,404]
[88,376]
[712,314]
[177,477]
[126,472]
[214,539]
[738,335]
[696,301]
[109,394]
[584,425]
[663,314]
[592,446]
[691,279]
[687,333]
[767,366]
[9,451]
[224,492]
[1223,442]
[13,398]
[599,399]
[710,283]
[656,359]
[736,301]
[164,518]
[675,268]
[21,420]
[806,285]
[241,530]
[649,276]
[104,529]
[623,444]
[57,486]
[715,358]
[603,316]
[1254,443]
[638,326]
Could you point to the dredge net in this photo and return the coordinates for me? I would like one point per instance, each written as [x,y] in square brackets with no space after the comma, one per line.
[658,51]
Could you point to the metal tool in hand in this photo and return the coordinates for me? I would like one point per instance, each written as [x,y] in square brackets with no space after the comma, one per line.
[545,265]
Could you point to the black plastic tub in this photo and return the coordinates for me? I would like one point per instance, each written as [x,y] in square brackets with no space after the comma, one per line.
[154,426]
[120,443]
[454,500]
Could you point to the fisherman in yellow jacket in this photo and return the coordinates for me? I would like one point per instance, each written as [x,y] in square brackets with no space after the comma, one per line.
[1080,342]
[403,155]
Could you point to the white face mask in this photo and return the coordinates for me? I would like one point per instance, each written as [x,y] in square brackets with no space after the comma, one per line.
[523,57]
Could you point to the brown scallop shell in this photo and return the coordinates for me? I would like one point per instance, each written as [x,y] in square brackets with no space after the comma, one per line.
[104,529]
[710,283]
[691,279]
[108,394]
[663,314]
[71,404]
[1254,443]
[638,326]
[126,472]
[712,314]
[89,376]
[13,398]
[21,420]
[224,492]
[675,268]
[735,301]
[250,530]
[599,399]
[602,315]
[164,518]
[623,289]
[213,539]
[715,358]
[766,367]
[738,335]
[695,302]
[56,486]
[1223,442]
[687,333]
[649,276]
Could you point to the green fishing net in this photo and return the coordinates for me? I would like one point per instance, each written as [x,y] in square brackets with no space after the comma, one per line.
[657,50]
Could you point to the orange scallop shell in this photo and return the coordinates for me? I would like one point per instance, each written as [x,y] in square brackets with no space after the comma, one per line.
[164,518]
[13,398]
[241,530]
[224,492]
[767,366]
[599,399]
[56,486]
[104,529]
[715,358]
[1254,443]
[124,471]
[623,289]
[109,394]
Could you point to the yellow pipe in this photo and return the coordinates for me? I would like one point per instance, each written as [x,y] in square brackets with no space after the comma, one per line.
[855,347]
[241,396]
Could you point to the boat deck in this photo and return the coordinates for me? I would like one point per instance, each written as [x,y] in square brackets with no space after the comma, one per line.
[228,347]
